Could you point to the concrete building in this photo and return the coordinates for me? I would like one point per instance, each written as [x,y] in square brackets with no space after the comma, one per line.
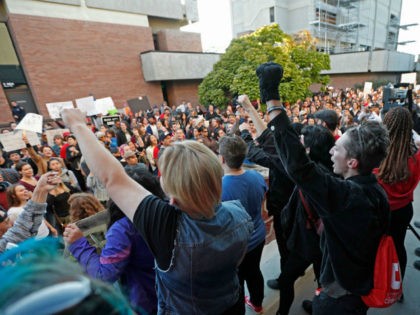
[361,36]
[60,50]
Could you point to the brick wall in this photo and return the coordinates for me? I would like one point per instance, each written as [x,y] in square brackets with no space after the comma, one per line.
[68,59]
[174,40]
[6,112]
[179,91]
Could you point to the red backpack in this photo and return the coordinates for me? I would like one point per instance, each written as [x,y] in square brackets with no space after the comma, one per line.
[387,282]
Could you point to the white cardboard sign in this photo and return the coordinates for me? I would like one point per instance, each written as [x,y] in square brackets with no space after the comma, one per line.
[54,109]
[104,104]
[367,89]
[13,140]
[31,122]
[52,132]
[87,105]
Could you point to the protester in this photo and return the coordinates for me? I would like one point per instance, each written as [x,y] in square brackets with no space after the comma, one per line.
[249,188]
[354,210]
[280,187]
[125,255]
[29,220]
[28,180]
[217,233]
[399,175]
[37,280]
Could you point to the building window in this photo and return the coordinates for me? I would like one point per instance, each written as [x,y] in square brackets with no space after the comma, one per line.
[272,16]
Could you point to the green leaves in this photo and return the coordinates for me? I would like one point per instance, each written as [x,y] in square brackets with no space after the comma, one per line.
[235,72]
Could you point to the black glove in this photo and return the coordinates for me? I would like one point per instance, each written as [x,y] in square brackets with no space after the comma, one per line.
[269,75]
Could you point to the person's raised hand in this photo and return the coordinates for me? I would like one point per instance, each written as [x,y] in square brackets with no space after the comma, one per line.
[49,181]
[72,117]
[269,75]
[245,102]
[243,126]
[72,233]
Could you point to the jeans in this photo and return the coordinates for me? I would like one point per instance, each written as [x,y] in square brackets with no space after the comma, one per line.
[345,305]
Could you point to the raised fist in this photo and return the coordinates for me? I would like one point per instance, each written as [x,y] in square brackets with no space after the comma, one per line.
[269,75]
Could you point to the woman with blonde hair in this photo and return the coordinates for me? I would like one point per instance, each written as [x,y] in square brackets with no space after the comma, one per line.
[197,240]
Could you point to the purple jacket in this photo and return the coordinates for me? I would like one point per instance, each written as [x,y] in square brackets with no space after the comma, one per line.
[125,257]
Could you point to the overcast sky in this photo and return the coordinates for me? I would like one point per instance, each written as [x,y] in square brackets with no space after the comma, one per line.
[216,31]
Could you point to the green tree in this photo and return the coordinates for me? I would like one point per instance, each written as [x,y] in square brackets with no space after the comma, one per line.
[234,73]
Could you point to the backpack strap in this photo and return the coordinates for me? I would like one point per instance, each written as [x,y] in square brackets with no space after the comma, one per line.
[312,221]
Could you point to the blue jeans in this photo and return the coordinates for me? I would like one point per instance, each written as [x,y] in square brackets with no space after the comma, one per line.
[345,305]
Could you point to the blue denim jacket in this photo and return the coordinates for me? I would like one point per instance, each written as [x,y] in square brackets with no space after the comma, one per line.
[202,277]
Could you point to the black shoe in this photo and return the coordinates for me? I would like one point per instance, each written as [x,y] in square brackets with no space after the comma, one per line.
[417,251]
[273,284]
[417,264]
[307,306]
[401,300]
[417,224]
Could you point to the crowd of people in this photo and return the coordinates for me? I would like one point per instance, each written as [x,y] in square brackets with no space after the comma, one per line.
[185,232]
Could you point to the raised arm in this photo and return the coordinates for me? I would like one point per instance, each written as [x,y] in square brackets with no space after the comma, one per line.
[125,192]
[30,219]
[258,122]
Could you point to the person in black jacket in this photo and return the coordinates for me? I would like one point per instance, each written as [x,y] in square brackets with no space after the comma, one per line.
[354,210]
[298,224]
[262,151]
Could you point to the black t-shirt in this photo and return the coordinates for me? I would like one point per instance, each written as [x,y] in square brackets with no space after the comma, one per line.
[157,221]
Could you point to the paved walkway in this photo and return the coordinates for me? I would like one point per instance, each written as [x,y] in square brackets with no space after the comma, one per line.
[305,286]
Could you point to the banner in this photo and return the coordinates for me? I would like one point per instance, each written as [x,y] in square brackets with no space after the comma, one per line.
[103,105]
[109,121]
[13,140]
[31,122]
[54,109]
[87,105]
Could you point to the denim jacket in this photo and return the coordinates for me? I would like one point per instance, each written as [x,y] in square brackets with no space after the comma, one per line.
[202,277]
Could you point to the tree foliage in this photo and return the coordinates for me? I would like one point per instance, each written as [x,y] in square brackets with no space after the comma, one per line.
[234,73]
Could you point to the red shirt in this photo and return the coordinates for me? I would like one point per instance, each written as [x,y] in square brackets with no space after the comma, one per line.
[400,194]
[63,151]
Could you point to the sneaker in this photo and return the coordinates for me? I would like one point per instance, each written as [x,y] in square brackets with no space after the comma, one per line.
[256,309]
[273,284]
[307,306]
[417,224]
[417,251]
[417,264]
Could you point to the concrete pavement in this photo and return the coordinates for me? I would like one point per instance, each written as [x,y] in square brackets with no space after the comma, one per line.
[305,286]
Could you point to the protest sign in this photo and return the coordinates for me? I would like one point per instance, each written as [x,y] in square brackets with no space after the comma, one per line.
[103,105]
[367,89]
[13,140]
[52,132]
[54,109]
[139,103]
[409,78]
[31,122]
[109,121]
[87,105]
